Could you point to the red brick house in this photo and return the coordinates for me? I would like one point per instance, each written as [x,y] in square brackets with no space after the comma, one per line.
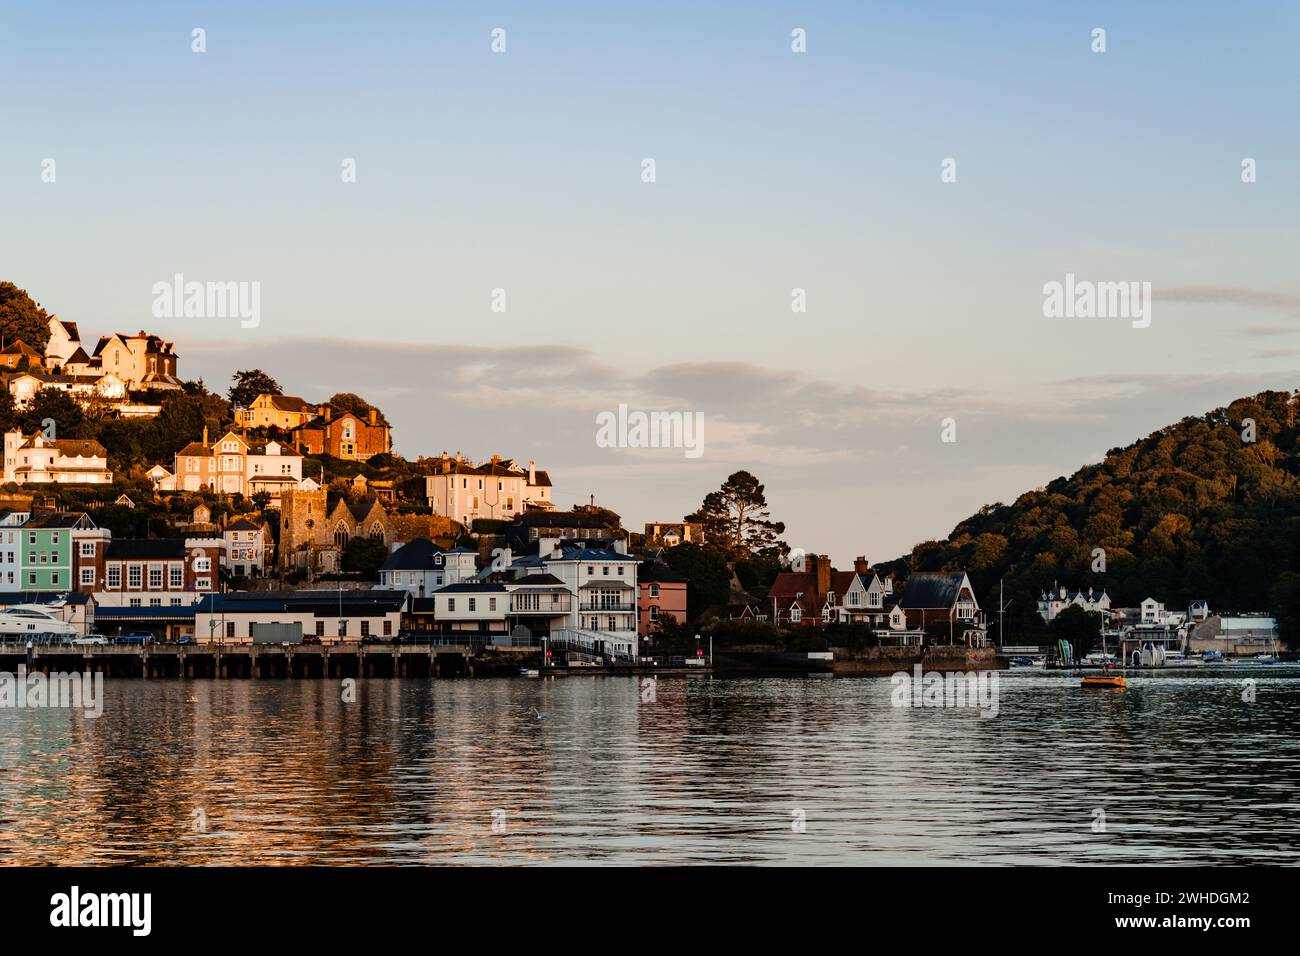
[350,436]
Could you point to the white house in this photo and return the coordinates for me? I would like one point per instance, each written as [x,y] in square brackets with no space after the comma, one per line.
[245,550]
[421,567]
[10,543]
[37,460]
[498,489]
[1052,603]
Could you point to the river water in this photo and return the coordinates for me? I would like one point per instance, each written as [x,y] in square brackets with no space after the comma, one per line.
[1179,769]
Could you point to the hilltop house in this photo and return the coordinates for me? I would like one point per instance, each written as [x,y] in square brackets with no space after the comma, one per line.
[36,459]
[348,435]
[230,465]
[669,534]
[275,411]
[499,488]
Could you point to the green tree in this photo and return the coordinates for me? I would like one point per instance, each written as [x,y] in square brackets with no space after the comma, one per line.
[736,519]
[351,402]
[250,383]
[52,405]
[364,556]
[22,318]
[707,572]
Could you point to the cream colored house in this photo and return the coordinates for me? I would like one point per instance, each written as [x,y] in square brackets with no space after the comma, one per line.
[37,460]
[232,466]
[463,491]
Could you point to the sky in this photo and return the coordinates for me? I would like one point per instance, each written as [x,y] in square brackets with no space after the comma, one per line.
[774,170]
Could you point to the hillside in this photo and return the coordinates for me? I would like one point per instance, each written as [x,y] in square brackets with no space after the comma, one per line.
[1191,511]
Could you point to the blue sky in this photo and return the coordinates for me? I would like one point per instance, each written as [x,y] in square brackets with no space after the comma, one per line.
[775,170]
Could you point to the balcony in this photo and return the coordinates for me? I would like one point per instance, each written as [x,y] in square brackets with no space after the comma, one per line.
[521,604]
[621,608]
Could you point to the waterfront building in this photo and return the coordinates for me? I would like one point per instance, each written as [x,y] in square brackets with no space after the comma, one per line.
[331,615]
[158,572]
[45,550]
[661,596]
[1052,603]
[11,523]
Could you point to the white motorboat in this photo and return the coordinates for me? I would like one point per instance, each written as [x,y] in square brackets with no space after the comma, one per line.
[33,620]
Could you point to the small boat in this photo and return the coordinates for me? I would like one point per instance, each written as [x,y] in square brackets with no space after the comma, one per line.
[1265,659]
[529,672]
[1107,679]
[1105,682]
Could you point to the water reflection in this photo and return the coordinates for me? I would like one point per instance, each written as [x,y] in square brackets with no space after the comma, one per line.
[582,770]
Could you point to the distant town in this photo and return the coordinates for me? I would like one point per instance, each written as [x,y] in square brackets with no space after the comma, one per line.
[289,519]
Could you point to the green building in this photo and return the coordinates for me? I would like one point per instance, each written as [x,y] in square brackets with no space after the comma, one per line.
[45,559]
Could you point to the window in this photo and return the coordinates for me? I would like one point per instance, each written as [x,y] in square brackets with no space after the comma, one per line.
[135,602]
[451,604]
[87,549]
[54,578]
[492,604]
[87,575]
[230,629]
[203,584]
[115,576]
[654,612]
[202,564]
[320,628]
[155,602]
[176,602]
[31,537]
[388,628]
[796,615]
[654,590]
[613,623]
[155,577]
[472,603]
[343,628]
[365,628]
[133,575]
[176,575]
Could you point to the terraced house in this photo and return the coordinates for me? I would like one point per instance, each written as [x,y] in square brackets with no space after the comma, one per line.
[45,550]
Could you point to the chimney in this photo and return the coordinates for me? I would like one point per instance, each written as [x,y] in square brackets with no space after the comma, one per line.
[620,545]
[496,459]
[458,458]
[205,433]
[860,565]
[373,416]
[823,569]
[532,472]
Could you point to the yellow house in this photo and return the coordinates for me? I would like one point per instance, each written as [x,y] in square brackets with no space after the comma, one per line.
[278,411]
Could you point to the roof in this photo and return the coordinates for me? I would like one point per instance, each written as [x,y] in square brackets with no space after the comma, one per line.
[42,597]
[69,328]
[182,612]
[350,603]
[929,590]
[538,579]
[561,519]
[195,449]
[289,403]
[120,548]
[243,524]
[417,555]
[790,583]
[58,520]
[81,448]
[479,587]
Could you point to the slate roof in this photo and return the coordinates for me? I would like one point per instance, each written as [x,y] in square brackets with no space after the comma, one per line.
[417,555]
[932,590]
[128,548]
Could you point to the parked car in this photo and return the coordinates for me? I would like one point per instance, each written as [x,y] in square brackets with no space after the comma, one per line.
[133,639]
[185,639]
[94,639]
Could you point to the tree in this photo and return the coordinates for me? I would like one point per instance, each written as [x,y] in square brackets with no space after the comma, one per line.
[709,578]
[250,383]
[364,556]
[52,405]
[1082,629]
[21,318]
[350,402]
[736,519]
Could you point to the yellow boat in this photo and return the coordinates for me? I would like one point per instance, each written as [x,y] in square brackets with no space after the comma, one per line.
[1118,682]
